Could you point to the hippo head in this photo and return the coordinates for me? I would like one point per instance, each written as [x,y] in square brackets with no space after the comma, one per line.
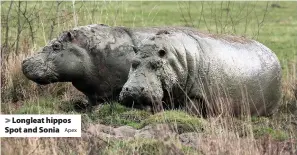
[64,59]
[57,61]
[152,74]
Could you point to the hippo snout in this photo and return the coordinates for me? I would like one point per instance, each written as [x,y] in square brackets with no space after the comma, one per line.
[131,94]
[139,89]
[138,97]
[35,69]
[28,68]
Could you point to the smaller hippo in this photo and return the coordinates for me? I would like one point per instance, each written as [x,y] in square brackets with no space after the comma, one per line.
[205,74]
[95,58]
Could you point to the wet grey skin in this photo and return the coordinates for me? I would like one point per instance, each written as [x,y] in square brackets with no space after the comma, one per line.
[204,74]
[95,58]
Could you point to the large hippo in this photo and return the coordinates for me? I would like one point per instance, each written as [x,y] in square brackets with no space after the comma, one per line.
[205,74]
[95,58]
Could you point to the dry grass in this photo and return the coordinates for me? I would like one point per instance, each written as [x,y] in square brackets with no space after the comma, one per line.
[15,87]
[224,135]
[54,146]
[290,89]
[222,141]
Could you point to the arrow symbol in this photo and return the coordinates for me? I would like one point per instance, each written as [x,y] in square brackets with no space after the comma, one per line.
[7,120]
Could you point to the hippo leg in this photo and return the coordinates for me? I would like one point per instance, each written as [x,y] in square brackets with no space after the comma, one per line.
[92,101]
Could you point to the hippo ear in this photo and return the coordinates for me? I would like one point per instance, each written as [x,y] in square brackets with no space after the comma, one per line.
[70,36]
[135,49]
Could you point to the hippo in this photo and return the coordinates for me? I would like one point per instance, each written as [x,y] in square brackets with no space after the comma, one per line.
[95,58]
[204,74]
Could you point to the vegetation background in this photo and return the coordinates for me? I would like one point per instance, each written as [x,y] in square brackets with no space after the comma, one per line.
[27,26]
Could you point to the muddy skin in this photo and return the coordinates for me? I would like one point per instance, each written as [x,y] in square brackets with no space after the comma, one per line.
[204,74]
[95,58]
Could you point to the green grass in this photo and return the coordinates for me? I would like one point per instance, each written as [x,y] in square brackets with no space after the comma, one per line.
[178,120]
[278,30]
[146,147]
[263,126]
[274,133]
[42,105]
[117,115]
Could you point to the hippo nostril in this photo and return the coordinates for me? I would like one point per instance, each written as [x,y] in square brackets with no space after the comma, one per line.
[142,89]
[127,89]
[24,61]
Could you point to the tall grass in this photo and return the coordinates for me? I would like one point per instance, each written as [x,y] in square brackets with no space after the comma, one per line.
[225,134]
[27,26]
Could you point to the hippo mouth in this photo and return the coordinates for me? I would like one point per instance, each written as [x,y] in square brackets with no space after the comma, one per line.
[142,103]
[130,102]
[45,81]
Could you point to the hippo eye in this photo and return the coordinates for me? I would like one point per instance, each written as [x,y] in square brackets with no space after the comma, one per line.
[135,64]
[161,53]
[56,46]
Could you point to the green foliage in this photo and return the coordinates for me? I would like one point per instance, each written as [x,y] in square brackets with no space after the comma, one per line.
[143,147]
[117,115]
[190,151]
[260,121]
[178,120]
[262,126]
[110,109]
[135,115]
[41,105]
[68,106]
[274,133]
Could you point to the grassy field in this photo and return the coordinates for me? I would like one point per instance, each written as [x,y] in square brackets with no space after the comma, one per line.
[27,26]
